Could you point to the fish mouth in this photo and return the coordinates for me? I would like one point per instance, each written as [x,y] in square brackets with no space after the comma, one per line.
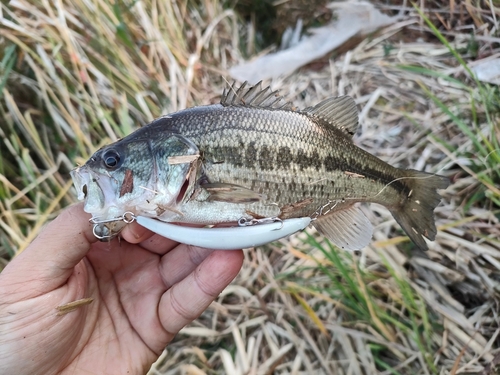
[80,181]
[95,189]
[97,192]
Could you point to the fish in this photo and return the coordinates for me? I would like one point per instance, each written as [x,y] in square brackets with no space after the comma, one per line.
[254,156]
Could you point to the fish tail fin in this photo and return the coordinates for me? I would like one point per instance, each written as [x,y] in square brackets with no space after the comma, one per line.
[415,214]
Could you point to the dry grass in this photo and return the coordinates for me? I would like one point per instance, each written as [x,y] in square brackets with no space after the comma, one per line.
[79,74]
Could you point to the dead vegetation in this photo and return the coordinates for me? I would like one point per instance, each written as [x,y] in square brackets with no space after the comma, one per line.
[76,75]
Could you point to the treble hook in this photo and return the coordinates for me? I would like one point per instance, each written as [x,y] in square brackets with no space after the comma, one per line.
[98,228]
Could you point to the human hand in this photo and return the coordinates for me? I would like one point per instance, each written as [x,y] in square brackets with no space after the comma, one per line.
[144,288]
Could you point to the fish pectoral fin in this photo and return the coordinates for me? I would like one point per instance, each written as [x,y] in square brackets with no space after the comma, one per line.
[340,113]
[231,193]
[347,228]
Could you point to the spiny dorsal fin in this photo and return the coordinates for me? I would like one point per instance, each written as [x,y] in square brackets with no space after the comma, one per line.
[254,96]
[340,112]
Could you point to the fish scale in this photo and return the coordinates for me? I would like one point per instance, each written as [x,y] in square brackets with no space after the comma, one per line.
[253,156]
[225,152]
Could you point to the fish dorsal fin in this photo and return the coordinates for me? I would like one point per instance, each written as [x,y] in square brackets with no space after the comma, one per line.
[347,228]
[339,112]
[256,96]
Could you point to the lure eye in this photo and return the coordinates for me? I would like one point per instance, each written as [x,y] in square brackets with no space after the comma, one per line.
[111,159]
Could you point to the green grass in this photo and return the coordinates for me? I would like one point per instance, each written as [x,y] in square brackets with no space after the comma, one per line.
[483,130]
[395,311]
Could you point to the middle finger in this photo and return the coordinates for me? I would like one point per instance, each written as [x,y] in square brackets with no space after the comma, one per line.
[180,262]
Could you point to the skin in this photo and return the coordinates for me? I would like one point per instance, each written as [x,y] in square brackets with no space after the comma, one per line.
[145,288]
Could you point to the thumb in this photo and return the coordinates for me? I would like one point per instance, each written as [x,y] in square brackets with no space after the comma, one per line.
[50,259]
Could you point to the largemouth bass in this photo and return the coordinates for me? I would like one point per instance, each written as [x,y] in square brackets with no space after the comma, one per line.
[253,156]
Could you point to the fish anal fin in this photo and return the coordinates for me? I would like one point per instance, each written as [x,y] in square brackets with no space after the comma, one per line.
[340,112]
[348,228]
[230,193]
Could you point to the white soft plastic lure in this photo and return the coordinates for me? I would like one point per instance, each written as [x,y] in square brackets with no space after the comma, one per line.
[226,238]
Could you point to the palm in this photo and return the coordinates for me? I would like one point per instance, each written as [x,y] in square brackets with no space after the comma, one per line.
[126,286]
[142,295]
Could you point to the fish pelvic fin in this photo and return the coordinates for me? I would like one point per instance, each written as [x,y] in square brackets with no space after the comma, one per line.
[416,212]
[348,228]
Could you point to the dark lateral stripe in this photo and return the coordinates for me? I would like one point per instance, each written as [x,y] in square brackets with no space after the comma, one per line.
[285,158]
[333,164]
[303,160]
[264,158]
[250,155]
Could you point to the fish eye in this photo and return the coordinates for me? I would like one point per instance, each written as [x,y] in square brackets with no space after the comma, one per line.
[111,159]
